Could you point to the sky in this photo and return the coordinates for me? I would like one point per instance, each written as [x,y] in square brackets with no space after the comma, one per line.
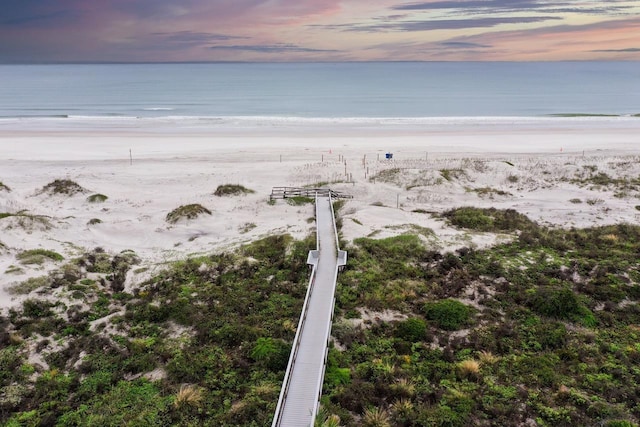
[44,31]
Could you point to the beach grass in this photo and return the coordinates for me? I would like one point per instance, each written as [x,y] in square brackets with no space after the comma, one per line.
[232,190]
[300,200]
[97,198]
[64,187]
[191,211]
[38,256]
[26,220]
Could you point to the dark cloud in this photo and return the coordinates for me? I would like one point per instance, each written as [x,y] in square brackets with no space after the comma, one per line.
[442,24]
[33,13]
[192,37]
[463,45]
[518,5]
[471,4]
[627,50]
[456,24]
[273,48]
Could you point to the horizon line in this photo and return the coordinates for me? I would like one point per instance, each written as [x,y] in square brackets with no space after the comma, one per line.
[307,62]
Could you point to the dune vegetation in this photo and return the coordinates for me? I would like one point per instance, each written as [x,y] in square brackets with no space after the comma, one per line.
[65,187]
[191,211]
[232,190]
[541,330]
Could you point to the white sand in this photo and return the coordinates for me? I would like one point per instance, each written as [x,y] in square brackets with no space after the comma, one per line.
[182,163]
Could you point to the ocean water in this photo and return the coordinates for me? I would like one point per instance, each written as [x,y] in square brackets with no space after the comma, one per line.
[318,90]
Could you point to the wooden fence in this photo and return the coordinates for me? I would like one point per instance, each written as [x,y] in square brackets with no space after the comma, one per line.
[287,192]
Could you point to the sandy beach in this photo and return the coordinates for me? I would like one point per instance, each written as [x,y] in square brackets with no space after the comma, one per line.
[543,168]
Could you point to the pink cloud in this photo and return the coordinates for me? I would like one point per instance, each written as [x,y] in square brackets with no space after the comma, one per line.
[193,30]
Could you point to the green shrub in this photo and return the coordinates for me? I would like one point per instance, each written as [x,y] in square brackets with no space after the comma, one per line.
[263,349]
[36,308]
[472,218]
[187,212]
[413,329]
[273,353]
[96,198]
[335,376]
[560,303]
[94,221]
[448,314]
[619,423]
[131,403]
[491,219]
[232,190]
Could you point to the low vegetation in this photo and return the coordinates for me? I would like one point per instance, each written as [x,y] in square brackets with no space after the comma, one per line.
[542,330]
[64,187]
[97,198]
[38,256]
[247,227]
[539,330]
[489,192]
[4,187]
[491,219]
[25,220]
[232,190]
[387,175]
[300,200]
[452,174]
[191,211]
[205,342]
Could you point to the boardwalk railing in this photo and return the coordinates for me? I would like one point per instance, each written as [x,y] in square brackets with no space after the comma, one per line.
[340,264]
[288,192]
[312,259]
[294,349]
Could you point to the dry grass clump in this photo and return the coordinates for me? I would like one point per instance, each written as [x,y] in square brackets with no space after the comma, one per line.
[28,285]
[487,358]
[4,187]
[376,417]
[404,387]
[325,419]
[188,396]
[469,368]
[232,190]
[191,211]
[63,186]
[403,409]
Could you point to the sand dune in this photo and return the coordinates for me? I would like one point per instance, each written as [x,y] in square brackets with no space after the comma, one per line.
[552,170]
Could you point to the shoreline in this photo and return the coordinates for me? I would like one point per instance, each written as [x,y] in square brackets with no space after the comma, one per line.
[285,124]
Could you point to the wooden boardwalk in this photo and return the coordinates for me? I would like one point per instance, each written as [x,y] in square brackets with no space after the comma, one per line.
[302,385]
